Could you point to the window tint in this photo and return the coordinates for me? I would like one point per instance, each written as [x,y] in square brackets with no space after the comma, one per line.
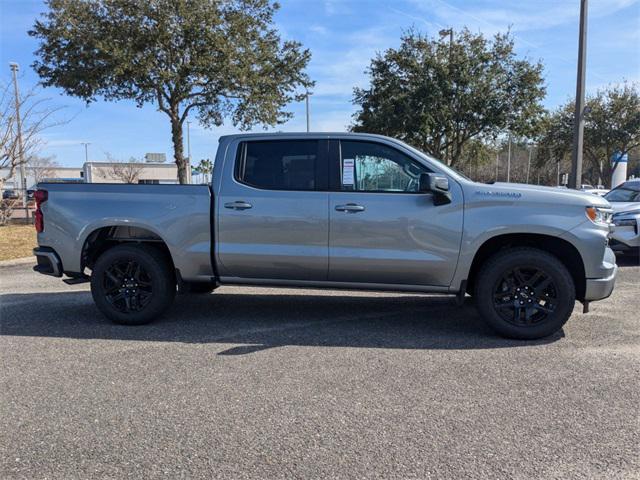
[373,167]
[278,165]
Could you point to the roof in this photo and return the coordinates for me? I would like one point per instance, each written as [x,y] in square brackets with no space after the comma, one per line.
[304,135]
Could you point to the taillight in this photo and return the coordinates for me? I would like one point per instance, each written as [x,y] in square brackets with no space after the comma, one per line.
[40,197]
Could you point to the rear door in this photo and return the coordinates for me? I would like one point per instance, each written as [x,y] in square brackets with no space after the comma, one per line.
[273,211]
[382,230]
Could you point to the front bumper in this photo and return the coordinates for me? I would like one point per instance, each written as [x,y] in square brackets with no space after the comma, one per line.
[48,261]
[600,288]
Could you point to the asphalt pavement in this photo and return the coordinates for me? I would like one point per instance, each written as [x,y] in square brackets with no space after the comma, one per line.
[284,383]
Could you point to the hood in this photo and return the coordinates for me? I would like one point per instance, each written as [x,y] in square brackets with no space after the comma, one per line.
[543,194]
[619,207]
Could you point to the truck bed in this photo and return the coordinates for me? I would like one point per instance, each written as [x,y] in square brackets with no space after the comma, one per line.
[179,215]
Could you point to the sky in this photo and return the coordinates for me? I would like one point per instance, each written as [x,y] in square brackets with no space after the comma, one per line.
[343,36]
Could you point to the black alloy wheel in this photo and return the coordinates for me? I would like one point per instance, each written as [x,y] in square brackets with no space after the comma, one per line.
[133,284]
[525,296]
[127,286]
[524,293]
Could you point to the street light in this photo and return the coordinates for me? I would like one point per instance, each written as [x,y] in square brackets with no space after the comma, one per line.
[189,150]
[23,174]
[86,150]
[306,103]
[444,33]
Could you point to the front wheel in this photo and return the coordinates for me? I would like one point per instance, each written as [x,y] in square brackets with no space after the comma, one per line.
[132,285]
[525,293]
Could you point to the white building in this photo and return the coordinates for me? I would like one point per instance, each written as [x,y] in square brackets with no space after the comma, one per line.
[98,172]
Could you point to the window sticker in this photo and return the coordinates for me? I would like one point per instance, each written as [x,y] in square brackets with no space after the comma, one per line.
[348,165]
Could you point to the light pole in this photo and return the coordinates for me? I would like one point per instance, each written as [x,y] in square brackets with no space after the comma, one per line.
[529,163]
[306,102]
[189,149]
[578,118]
[443,33]
[509,161]
[23,175]
[86,151]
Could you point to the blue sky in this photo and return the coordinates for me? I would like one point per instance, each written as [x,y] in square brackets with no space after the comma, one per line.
[343,35]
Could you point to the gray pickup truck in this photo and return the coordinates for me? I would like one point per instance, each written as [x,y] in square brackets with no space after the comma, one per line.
[351,211]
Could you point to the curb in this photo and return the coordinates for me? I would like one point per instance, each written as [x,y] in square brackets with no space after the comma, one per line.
[18,261]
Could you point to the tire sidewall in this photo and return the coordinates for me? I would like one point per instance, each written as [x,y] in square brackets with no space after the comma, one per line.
[505,261]
[162,286]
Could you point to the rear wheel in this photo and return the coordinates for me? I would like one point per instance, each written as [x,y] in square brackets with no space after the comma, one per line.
[132,285]
[525,293]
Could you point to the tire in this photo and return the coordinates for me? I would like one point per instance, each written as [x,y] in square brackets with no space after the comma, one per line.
[133,285]
[525,293]
[198,287]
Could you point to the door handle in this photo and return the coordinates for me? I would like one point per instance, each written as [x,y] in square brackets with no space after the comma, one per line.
[350,208]
[238,205]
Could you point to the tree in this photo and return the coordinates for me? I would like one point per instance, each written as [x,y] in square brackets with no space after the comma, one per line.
[438,96]
[612,125]
[41,168]
[36,116]
[126,172]
[216,58]
[205,167]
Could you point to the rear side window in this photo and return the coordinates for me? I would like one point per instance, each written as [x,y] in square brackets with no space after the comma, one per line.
[278,165]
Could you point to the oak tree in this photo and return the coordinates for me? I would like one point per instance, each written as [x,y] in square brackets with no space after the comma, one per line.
[215,58]
[439,94]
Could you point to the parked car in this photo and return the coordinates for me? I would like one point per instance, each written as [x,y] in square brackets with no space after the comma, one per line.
[352,211]
[625,200]
[600,191]
[10,194]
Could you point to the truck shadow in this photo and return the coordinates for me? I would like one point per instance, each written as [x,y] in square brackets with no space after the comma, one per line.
[249,322]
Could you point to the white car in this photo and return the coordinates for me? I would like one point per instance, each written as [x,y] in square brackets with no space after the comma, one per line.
[625,200]
[601,192]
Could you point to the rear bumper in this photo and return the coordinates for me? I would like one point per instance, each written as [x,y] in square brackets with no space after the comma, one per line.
[48,261]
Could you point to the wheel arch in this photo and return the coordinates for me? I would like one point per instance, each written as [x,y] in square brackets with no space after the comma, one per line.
[103,238]
[562,249]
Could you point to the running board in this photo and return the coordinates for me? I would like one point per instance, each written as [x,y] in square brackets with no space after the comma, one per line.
[76,280]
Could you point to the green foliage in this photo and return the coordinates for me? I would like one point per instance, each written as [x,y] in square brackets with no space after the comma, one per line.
[219,59]
[612,124]
[438,96]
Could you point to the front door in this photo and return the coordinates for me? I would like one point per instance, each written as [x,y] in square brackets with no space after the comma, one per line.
[381,229]
[273,211]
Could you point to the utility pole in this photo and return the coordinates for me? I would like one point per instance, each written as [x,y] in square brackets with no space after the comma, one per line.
[86,151]
[578,119]
[189,150]
[497,164]
[509,161]
[23,174]
[306,102]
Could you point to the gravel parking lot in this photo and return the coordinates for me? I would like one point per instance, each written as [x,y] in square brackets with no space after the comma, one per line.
[274,383]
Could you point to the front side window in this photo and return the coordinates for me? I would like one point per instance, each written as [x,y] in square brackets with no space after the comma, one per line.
[278,165]
[623,194]
[373,167]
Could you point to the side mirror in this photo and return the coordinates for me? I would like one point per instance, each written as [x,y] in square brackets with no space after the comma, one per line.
[436,184]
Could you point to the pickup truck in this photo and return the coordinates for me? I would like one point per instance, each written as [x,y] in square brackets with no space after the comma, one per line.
[337,211]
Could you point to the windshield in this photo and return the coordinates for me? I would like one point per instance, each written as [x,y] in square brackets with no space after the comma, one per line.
[624,194]
[442,165]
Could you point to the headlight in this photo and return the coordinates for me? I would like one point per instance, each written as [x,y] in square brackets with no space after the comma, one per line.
[624,221]
[599,215]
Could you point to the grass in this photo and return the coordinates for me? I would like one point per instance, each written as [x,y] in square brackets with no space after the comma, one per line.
[17,241]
